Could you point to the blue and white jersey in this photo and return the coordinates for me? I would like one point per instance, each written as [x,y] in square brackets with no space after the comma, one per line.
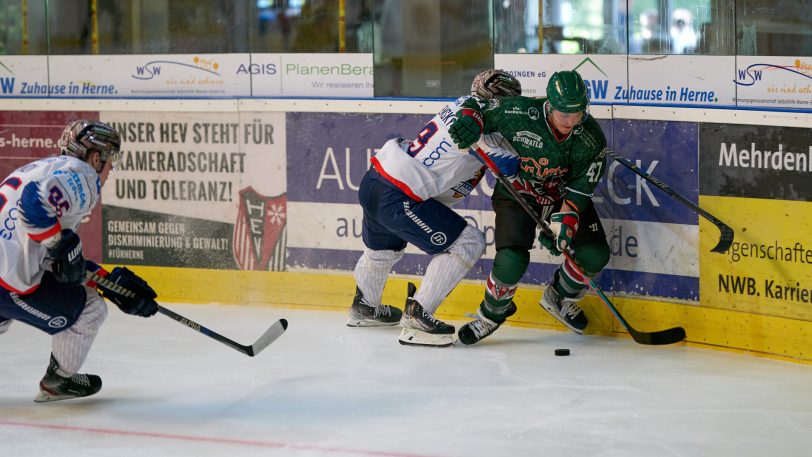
[37,201]
[431,166]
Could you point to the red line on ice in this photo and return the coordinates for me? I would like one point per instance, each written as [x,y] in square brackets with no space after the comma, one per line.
[209,439]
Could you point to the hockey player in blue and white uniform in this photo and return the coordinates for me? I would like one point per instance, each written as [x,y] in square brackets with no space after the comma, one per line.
[406,197]
[42,269]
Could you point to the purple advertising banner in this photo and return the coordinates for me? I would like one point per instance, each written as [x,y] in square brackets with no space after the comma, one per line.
[328,153]
[666,151]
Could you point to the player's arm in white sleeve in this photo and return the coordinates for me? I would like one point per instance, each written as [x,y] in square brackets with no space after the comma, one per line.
[499,150]
[51,209]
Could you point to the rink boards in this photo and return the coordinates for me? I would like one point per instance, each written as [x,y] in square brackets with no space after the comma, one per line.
[256,202]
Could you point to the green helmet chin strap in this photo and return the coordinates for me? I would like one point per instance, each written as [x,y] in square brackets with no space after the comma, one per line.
[567,92]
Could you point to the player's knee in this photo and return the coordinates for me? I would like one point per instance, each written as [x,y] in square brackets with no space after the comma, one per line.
[510,264]
[593,257]
[470,244]
[384,255]
[95,312]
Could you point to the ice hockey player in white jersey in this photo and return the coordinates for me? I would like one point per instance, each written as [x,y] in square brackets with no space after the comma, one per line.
[42,269]
[406,197]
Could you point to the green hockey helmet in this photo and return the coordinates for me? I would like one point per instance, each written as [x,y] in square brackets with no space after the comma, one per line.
[567,92]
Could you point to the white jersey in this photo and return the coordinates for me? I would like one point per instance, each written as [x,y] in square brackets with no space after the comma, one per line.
[431,166]
[37,201]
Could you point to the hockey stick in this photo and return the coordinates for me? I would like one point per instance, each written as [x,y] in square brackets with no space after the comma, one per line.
[726,233]
[275,331]
[668,336]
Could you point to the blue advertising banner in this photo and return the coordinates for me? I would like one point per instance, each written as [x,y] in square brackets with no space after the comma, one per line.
[664,150]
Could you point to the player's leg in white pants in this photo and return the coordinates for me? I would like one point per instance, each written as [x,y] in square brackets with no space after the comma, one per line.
[371,272]
[71,346]
[447,269]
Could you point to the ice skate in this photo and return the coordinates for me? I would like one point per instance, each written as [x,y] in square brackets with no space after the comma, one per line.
[564,309]
[420,328]
[481,327]
[363,315]
[54,387]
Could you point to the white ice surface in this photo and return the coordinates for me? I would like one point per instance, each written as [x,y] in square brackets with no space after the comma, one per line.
[324,389]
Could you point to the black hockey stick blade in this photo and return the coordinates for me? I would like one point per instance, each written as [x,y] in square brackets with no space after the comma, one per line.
[725,238]
[661,337]
[669,336]
[274,331]
[726,233]
[658,338]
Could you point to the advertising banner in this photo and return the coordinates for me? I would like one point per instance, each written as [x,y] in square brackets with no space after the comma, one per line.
[774,82]
[653,238]
[759,180]
[315,75]
[604,74]
[687,80]
[204,190]
[157,75]
[26,76]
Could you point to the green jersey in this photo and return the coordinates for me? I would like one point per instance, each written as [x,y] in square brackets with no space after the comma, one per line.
[550,169]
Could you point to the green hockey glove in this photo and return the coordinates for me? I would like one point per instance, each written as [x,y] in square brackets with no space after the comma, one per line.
[467,128]
[564,225]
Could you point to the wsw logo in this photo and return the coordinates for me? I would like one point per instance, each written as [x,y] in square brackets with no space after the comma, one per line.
[156,68]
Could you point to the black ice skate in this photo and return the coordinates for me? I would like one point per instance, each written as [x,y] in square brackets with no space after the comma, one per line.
[421,328]
[363,315]
[564,309]
[54,387]
[481,327]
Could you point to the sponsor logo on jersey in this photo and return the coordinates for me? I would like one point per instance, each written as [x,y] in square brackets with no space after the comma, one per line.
[438,152]
[533,113]
[75,183]
[465,188]
[528,139]
[515,110]
[259,238]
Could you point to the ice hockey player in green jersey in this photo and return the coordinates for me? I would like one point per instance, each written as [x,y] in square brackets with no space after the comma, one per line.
[562,160]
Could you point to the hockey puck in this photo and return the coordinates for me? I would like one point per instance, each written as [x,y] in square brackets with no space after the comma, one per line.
[562,352]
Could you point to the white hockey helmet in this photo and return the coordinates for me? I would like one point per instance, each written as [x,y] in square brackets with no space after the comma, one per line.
[492,83]
[83,136]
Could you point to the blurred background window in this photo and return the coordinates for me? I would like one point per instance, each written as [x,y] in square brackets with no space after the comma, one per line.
[421,48]
[312,26]
[774,27]
[560,26]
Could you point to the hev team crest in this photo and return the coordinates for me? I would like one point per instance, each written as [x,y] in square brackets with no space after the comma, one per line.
[260,231]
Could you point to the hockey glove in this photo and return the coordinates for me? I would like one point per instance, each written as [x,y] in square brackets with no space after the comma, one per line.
[467,128]
[564,226]
[141,304]
[67,261]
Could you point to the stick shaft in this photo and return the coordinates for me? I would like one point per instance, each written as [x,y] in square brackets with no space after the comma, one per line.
[726,233]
